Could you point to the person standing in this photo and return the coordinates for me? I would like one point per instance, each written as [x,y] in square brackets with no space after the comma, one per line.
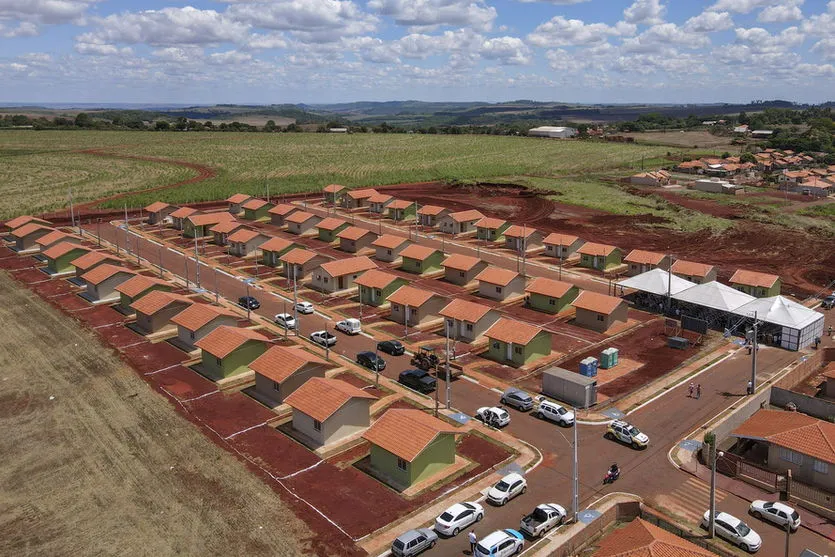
[698,391]
[690,390]
[473,540]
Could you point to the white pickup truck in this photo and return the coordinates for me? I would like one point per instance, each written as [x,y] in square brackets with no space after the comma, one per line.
[543,518]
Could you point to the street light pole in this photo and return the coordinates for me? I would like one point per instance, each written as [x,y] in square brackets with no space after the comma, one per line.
[197,262]
[448,378]
[296,299]
[711,531]
[575,474]
[754,358]
[788,536]
[247,299]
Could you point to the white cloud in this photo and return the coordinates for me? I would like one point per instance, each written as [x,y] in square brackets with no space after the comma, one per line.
[229,57]
[506,50]
[559,31]
[558,2]
[266,42]
[648,12]
[44,11]
[780,14]
[432,13]
[23,29]
[709,22]
[97,49]
[826,48]
[661,37]
[746,6]
[310,20]
[760,40]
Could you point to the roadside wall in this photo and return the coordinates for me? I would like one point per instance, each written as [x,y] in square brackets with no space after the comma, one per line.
[817,407]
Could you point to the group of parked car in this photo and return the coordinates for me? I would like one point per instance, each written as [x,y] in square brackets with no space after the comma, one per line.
[737,532]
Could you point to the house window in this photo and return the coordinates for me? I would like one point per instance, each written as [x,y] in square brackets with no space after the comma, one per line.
[317,425]
[276,386]
[388,252]
[191,334]
[462,274]
[517,349]
[218,361]
[402,464]
[599,317]
[469,327]
[821,467]
[326,280]
[498,290]
[552,302]
[791,456]
[496,345]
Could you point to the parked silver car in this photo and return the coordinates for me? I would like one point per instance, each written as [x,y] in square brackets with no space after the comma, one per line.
[413,542]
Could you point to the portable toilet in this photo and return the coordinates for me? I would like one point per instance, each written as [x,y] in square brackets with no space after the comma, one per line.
[609,358]
[588,367]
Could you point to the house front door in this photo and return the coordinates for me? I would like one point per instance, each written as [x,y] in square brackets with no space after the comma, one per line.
[341,283]
[509,348]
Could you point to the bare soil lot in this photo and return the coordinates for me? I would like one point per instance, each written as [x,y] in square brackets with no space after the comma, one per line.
[695,139]
[108,466]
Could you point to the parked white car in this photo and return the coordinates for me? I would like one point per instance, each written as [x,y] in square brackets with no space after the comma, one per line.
[735,531]
[305,308]
[500,543]
[493,415]
[285,320]
[776,512]
[507,488]
[323,338]
[349,326]
[458,517]
[543,518]
[554,412]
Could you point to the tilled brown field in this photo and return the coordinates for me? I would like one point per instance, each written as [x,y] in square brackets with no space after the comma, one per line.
[96,463]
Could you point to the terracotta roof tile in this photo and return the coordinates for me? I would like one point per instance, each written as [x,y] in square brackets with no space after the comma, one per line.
[516,231]
[63,248]
[691,268]
[380,198]
[254,204]
[792,430]
[549,287]
[29,228]
[244,235]
[299,217]
[642,539]
[362,194]
[104,272]
[753,278]
[297,256]
[227,227]
[400,204]
[419,253]
[331,223]
[829,371]
[411,296]
[461,262]
[283,209]
[210,218]
[54,236]
[591,248]
[490,223]
[276,244]
[462,310]
[278,363]
[157,206]
[431,210]
[497,275]
[512,331]
[319,398]
[376,278]
[344,267]
[224,340]
[405,432]
[183,212]
[389,241]
[466,216]
[333,188]
[158,300]
[17,222]
[644,257]
[135,286]
[599,303]
[199,315]
[353,233]
[92,258]
[238,198]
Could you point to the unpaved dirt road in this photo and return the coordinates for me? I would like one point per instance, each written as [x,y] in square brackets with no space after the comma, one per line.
[107,467]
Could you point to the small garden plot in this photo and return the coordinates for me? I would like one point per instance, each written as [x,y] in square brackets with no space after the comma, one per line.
[181,383]
[100,316]
[147,357]
[274,451]
[118,336]
[229,414]
[16,263]
[30,276]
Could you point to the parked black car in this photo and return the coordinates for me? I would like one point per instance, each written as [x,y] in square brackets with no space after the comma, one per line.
[418,380]
[393,347]
[248,302]
[371,360]
[829,301]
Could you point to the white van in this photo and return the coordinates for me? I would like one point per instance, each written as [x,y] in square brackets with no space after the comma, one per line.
[349,326]
[548,410]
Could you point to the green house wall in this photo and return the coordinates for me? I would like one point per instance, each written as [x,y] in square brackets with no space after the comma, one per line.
[428,265]
[257,214]
[759,292]
[402,214]
[612,260]
[191,231]
[384,293]
[439,454]
[543,303]
[492,234]
[125,301]
[331,197]
[61,264]
[330,235]
[265,258]
[235,363]
[538,347]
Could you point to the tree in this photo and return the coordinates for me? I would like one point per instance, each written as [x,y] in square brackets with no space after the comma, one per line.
[743,118]
[269,126]
[182,124]
[162,126]
[20,120]
[725,155]
[747,157]
[83,120]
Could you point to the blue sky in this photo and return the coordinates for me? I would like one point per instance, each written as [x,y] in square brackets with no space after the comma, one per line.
[277,51]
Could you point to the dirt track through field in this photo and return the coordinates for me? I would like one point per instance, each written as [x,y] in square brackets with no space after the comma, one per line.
[96,463]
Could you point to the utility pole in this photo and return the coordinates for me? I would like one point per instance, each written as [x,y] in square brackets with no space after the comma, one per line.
[296,298]
[711,530]
[670,285]
[448,378]
[72,212]
[754,358]
[247,299]
[98,231]
[436,397]
[197,262]
[160,261]
[788,537]
[575,473]
[524,248]
[217,294]
[127,238]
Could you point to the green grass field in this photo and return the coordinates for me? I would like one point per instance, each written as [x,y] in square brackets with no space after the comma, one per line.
[287,163]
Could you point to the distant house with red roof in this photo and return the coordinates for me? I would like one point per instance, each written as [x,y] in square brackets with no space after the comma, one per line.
[59,257]
[334,193]
[298,263]
[561,246]
[599,312]
[256,209]
[237,201]
[301,222]
[491,229]
[388,247]
[280,212]
[357,199]
[500,284]
[753,283]
[550,296]
[467,321]
[159,211]
[377,203]
[25,236]
[599,256]
[693,271]
[462,269]
[421,259]
[354,239]
[414,306]
[22,220]
[401,209]
[461,222]
[282,369]
[330,227]
[134,288]
[657,178]
[517,343]
[519,238]
[155,310]
[228,351]
[375,286]
[199,225]
[245,242]
[641,261]
[198,320]
[221,231]
[640,538]
[338,275]
[103,280]
[429,215]
[179,216]
[273,249]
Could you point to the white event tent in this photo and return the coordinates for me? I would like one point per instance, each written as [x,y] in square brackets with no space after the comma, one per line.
[799,325]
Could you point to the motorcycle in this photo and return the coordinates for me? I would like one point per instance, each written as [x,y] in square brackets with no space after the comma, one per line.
[611,476]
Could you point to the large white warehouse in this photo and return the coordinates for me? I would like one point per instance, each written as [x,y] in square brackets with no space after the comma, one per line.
[552,131]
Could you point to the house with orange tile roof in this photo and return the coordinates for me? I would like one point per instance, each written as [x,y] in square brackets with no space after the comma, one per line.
[491,229]
[273,249]
[641,261]
[401,209]
[409,445]
[280,212]
[330,227]
[155,310]
[657,178]
[198,226]
[22,220]
[55,237]
[692,167]
[519,238]
[791,441]
[59,257]
[339,275]
[467,321]
[693,271]
[412,306]
[90,261]
[421,259]
[179,216]
[461,222]
[516,343]
[599,312]
[158,211]
[236,202]
[282,369]
[245,242]
[228,351]
[640,538]
[256,209]
[462,269]
[549,295]
[375,286]
[429,215]
[301,222]
[198,320]
[101,282]
[299,263]
[388,247]
[561,246]
[599,256]
[25,236]
[759,285]
[334,193]
[354,239]
[377,203]
[221,231]
[358,199]
[500,284]
[327,411]
[135,287]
